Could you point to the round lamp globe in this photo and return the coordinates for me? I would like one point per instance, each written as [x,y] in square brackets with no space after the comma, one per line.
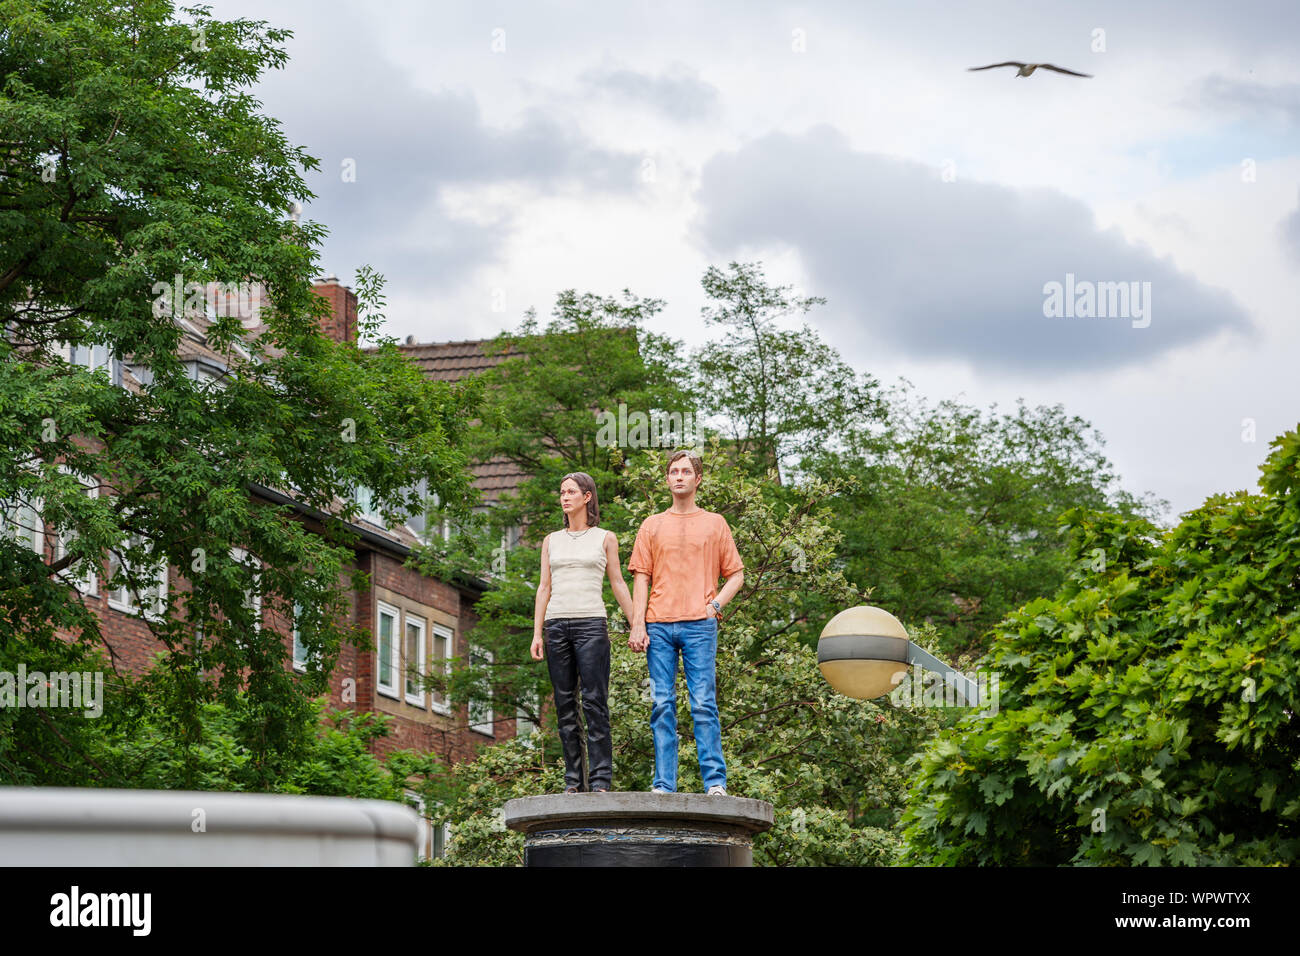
[862,652]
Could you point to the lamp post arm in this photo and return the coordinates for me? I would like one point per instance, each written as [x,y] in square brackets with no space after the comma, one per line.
[967,688]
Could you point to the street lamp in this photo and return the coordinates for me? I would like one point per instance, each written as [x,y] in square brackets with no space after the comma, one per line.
[864,652]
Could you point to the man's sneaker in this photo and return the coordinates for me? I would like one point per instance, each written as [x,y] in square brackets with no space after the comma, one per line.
[717,791]
[658,790]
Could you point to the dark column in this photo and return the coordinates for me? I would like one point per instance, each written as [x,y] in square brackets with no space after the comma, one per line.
[638,829]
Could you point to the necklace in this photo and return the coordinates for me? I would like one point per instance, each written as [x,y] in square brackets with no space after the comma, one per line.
[578,534]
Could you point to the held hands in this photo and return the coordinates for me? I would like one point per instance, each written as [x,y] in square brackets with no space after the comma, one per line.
[536,649]
[638,639]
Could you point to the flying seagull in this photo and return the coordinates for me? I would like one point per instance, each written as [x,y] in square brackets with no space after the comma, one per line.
[1027,68]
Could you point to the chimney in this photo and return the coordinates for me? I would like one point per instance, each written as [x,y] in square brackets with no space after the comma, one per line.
[341,324]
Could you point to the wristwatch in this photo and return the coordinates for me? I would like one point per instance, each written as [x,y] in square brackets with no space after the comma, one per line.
[717,607]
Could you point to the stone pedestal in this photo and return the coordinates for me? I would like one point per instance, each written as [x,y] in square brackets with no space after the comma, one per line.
[638,829]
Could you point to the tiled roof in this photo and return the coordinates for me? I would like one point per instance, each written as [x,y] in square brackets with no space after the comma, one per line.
[496,477]
[452,361]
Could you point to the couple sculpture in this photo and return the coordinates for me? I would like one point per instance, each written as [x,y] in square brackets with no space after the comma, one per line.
[673,611]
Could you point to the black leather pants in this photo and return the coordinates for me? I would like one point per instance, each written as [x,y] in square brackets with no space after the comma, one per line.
[577,649]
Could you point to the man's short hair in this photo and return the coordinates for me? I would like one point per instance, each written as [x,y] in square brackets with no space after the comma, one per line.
[697,464]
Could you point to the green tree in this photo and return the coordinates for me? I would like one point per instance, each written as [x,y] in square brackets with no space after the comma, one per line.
[953,517]
[136,742]
[782,393]
[132,157]
[543,400]
[1147,709]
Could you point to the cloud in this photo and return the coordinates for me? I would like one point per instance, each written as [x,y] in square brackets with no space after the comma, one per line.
[1250,99]
[389,150]
[678,93]
[1290,227]
[1167,220]
[939,270]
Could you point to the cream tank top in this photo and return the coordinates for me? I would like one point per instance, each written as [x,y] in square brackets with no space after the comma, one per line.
[577,570]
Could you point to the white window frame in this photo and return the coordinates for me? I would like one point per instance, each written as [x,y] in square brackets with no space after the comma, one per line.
[88,582]
[253,595]
[522,718]
[84,355]
[33,537]
[485,727]
[419,524]
[129,606]
[300,662]
[442,706]
[430,835]
[396,635]
[441,834]
[416,697]
[365,499]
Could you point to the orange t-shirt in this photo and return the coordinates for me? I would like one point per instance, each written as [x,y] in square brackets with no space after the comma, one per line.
[684,554]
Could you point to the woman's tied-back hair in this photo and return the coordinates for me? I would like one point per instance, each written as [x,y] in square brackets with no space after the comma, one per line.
[585,483]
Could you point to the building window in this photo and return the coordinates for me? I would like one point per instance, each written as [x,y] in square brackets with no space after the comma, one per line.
[87,582]
[442,528]
[434,837]
[524,722]
[441,841]
[21,521]
[423,524]
[252,596]
[481,717]
[442,643]
[386,651]
[365,499]
[95,357]
[414,660]
[206,374]
[150,576]
[302,656]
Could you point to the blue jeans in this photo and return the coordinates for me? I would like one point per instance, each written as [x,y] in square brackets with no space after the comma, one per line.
[698,643]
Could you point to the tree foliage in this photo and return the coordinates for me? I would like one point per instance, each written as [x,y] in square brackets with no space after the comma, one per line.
[1147,709]
[781,393]
[953,517]
[542,400]
[131,154]
[136,743]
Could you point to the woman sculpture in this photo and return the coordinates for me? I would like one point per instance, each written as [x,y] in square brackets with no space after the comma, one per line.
[570,612]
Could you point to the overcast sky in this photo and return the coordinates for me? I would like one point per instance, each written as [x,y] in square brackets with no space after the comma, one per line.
[484,156]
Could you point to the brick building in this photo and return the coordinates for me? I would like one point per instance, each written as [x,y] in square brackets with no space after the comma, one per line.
[416,623]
